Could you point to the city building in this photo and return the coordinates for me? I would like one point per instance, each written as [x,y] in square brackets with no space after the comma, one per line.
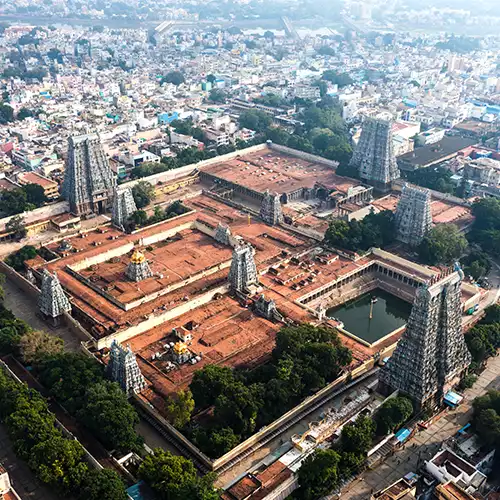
[89,181]
[7,492]
[399,490]
[50,187]
[123,368]
[413,215]
[431,356]
[374,156]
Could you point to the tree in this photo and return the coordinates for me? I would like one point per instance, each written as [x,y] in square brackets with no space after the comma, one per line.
[14,201]
[211,78]
[102,484]
[175,478]
[23,114]
[37,345]
[108,414]
[27,427]
[218,96]
[143,193]
[319,475]
[6,114]
[18,258]
[357,436]
[208,383]
[174,77]
[476,264]
[486,418]
[17,227]
[35,194]
[255,120]
[180,409]
[443,244]
[392,414]
[68,375]
[340,79]
[58,462]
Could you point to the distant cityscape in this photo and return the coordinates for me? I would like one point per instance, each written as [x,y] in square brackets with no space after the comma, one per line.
[249,251]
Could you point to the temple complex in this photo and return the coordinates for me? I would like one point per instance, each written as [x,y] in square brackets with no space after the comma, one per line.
[413,215]
[88,181]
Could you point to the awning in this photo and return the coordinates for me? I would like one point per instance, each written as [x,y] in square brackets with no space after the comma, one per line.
[402,434]
[453,399]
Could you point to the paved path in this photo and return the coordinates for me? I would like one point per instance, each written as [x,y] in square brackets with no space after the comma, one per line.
[426,442]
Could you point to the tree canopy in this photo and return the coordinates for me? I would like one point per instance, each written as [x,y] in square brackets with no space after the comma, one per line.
[374,230]
[143,193]
[175,77]
[174,477]
[392,414]
[254,119]
[17,259]
[304,360]
[486,419]
[486,228]
[443,244]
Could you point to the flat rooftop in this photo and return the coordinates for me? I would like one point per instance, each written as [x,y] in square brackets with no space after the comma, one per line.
[433,153]
[278,172]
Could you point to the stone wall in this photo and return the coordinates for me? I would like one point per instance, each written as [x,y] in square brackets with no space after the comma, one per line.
[302,155]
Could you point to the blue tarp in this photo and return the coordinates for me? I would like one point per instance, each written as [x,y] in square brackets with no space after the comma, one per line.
[402,434]
[135,491]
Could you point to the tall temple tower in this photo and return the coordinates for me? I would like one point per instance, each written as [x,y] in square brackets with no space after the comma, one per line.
[123,368]
[431,355]
[89,181]
[270,209]
[413,215]
[243,271]
[52,302]
[138,268]
[374,154]
[123,206]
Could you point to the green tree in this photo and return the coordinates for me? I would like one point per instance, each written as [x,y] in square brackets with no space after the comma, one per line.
[35,346]
[175,478]
[319,475]
[392,414]
[143,193]
[486,418]
[102,484]
[218,96]
[208,383]
[18,258]
[25,113]
[255,120]
[108,414]
[211,78]
[181,408]
[340,79]
[27,427]
[58,462]
[35,194]
[175,77]
[14,201]
[357,436]
[443,244]
[6,113]
[17,227]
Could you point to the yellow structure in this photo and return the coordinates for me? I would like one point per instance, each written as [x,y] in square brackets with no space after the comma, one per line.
[137,257]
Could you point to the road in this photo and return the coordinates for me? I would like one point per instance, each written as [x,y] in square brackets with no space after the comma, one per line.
[426,442]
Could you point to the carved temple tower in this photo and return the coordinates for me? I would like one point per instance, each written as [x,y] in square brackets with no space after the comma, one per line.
[123,206]
[123,368]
